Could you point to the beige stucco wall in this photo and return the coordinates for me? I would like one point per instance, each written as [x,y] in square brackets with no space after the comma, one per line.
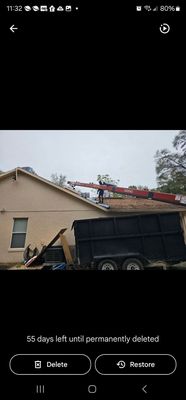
[47,209]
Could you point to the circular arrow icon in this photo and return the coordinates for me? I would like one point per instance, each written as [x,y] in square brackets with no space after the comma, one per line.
[121,364]
[164,28]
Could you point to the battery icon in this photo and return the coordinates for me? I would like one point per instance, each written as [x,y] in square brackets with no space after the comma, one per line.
[178,8]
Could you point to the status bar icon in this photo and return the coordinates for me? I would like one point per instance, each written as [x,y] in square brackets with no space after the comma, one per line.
[27,8]
[68,8]
[43,8]
[60,8]
[52,9]
[35,8]
[147,8]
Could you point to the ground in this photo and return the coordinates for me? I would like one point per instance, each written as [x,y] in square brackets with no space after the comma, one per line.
[19,267]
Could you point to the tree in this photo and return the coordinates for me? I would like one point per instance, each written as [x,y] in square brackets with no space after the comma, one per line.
[58,180]
[107,179]
[180,141]
[171,166]
[140,187]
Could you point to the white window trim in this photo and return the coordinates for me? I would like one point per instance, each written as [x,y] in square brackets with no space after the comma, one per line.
[15,249]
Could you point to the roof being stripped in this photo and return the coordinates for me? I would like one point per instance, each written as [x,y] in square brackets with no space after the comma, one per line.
[141,205]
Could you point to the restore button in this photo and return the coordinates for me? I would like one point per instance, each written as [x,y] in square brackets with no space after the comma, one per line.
[135,364]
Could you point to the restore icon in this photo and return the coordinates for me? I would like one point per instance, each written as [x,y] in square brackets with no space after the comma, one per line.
[121,364]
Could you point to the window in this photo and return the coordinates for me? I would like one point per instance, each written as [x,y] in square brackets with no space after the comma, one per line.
[19,232]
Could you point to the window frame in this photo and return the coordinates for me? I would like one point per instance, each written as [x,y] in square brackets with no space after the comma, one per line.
[14,233]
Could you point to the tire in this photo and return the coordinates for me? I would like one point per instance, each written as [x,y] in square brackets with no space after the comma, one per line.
[107,265]
[132,264]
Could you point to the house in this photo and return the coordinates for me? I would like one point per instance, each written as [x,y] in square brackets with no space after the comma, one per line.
[33,210]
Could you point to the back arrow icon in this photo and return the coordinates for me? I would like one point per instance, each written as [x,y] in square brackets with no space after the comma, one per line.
[12,28]
[144,389]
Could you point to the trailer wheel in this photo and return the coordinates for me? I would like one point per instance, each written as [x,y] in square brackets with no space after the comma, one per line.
[132,264]
[107,265]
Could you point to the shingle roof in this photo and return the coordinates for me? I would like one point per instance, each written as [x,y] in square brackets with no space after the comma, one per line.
[134,204]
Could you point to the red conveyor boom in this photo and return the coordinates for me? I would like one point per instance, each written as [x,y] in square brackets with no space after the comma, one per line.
[144,194]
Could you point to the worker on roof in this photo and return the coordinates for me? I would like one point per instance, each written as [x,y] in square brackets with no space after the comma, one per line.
[100,193]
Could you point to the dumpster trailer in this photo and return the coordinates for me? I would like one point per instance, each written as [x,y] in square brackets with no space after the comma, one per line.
[130,242]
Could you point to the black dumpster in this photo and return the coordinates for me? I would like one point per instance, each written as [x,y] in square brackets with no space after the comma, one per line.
[129,242]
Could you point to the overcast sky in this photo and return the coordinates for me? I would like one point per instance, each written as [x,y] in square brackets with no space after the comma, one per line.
[82,155]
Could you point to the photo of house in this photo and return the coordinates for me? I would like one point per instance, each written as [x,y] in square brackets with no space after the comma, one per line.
[33,210]
[36,206]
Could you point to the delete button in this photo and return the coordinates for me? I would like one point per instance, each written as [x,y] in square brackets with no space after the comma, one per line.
[50,364]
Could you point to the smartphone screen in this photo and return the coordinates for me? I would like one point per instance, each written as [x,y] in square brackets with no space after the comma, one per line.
[92,199]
